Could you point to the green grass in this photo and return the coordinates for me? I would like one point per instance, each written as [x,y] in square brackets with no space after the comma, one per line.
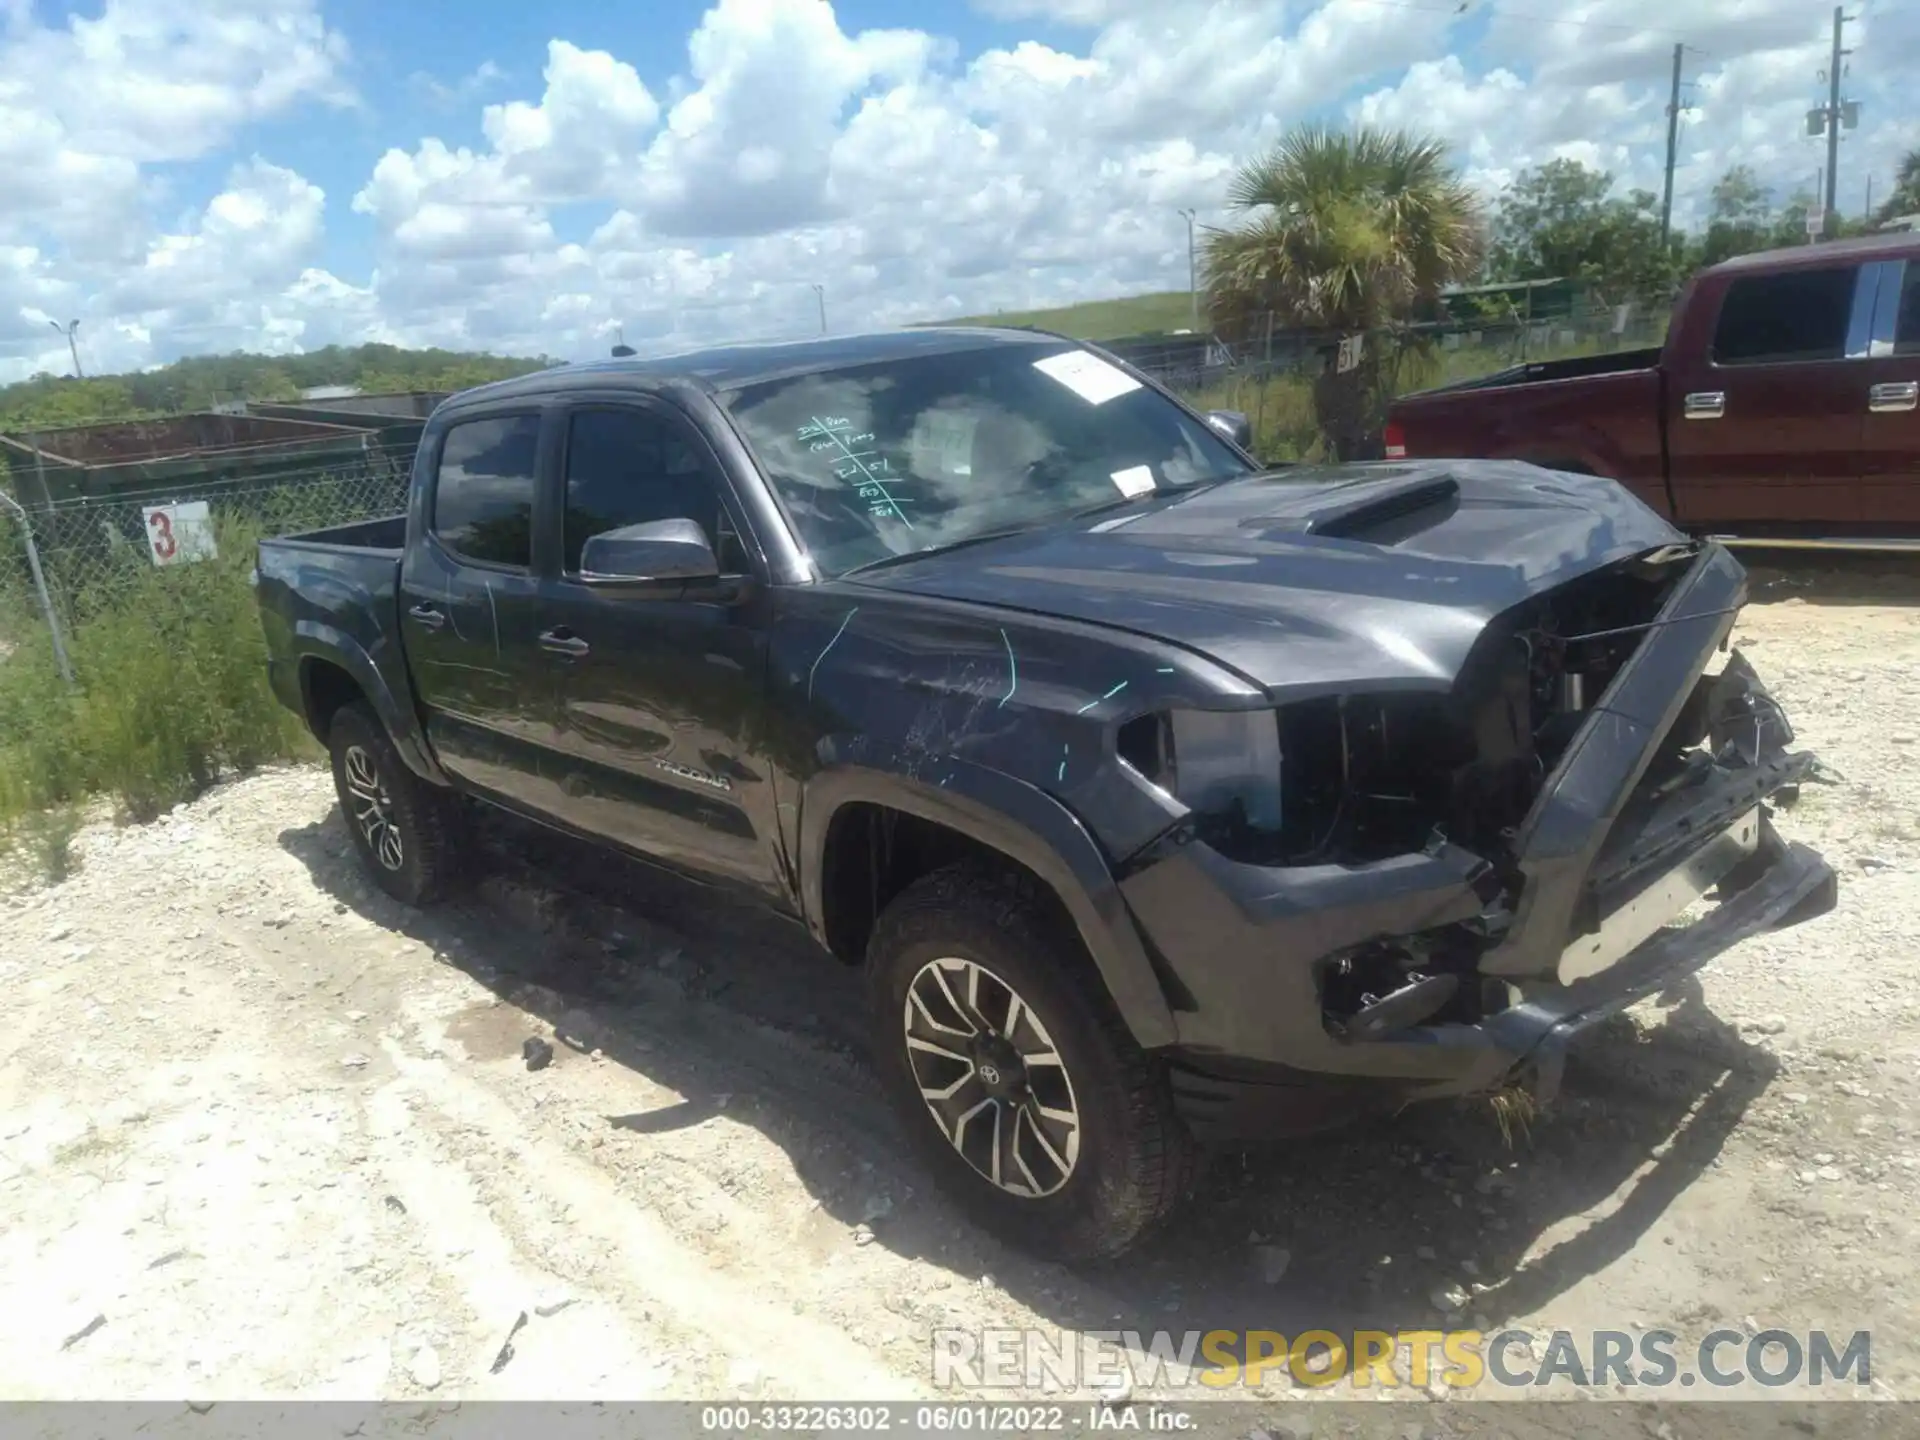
[171,693]
[1155,314]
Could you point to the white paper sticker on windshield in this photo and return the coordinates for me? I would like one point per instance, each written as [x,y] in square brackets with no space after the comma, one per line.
[1087,375]
[1134,480]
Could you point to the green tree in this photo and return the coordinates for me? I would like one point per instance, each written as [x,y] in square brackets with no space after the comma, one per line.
[1561,221]
[1741,220]
[1344,232]
[1790,225]
[1905,199]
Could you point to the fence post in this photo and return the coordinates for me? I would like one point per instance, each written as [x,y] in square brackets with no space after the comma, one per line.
[39,576]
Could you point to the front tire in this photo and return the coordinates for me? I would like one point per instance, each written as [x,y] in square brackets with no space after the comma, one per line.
[401,827]
[1016,1079]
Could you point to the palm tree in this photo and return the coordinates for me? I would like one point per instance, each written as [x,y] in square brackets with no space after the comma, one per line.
[1905,199]
[1344,233]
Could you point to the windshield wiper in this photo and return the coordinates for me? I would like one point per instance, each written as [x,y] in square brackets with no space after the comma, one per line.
[1118,502]
[905,555]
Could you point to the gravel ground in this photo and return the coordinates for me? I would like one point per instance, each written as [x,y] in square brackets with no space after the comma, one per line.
[264,1133]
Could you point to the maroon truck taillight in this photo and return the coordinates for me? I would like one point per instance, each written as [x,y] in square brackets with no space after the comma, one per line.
[1396,438]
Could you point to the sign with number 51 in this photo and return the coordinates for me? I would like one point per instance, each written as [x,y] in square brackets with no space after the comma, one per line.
[179,534]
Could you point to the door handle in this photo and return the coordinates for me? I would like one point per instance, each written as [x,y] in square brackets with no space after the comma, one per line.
[429,616]
[562,641]
[1901,395]
[1706,405]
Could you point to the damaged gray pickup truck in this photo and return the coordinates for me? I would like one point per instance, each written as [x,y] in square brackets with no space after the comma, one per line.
[1164,799]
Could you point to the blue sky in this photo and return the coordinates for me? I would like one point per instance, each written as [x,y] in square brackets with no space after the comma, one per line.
[279,174]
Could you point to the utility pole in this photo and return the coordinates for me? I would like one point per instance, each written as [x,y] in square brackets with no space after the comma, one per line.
[1828,119]
[820,294]
[73,346]
[1193,274]
[1833,107]
[1673,150]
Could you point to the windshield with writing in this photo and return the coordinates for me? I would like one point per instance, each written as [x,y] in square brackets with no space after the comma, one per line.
[906,455]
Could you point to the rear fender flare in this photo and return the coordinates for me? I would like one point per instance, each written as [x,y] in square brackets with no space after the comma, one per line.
[1019,821]
[327,644]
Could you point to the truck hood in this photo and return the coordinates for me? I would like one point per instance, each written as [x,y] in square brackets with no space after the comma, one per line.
[1317,578]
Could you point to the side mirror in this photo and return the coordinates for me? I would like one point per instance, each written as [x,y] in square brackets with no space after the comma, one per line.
[1234,425]
[660,550]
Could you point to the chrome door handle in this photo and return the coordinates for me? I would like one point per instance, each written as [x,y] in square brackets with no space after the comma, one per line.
[1706,405]
[1901,395]
[562,641]
[428,616]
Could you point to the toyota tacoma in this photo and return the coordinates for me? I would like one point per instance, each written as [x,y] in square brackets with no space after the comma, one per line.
[1166,800]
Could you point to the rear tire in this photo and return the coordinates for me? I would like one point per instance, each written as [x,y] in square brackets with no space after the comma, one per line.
[402,828]
[1052,1129]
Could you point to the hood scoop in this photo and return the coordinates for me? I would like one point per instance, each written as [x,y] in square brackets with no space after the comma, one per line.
[1364,509]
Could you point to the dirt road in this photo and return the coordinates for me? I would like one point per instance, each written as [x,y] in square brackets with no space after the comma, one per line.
[265,1133]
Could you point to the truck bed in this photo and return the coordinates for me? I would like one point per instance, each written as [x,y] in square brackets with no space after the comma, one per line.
[1543,371]
[387,534]
[1597,415]
[332,597]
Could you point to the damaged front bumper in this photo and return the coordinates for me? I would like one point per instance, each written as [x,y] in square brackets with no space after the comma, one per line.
[1790,884]
[1615,849]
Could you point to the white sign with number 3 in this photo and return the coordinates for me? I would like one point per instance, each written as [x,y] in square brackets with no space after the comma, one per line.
[180,534]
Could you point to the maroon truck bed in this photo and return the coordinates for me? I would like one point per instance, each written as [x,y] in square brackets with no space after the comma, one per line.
[1599,416]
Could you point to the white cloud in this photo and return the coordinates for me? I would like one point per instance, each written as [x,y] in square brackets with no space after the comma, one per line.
[593,111]
[905,180]
[448,95]
[906,177]
[168,79]
[748,149]
[438,203]
[1597,91]
[258,232]
[88,106]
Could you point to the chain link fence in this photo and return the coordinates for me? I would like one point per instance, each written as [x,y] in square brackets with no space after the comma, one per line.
[1270,370]
[67,559]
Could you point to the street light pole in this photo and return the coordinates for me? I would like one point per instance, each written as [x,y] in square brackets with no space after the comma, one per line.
[820,294]
[1193,281]
[73,346]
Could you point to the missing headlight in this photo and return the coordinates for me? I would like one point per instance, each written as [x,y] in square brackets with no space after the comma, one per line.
[1224,765]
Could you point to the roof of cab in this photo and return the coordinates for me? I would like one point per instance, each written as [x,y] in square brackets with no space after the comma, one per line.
[729,367]
[1890,245]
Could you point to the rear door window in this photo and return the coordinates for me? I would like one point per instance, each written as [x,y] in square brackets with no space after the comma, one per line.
[483,491]
[1795,315]
[1906,328]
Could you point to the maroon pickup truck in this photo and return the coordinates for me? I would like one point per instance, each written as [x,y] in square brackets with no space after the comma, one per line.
[1784,406]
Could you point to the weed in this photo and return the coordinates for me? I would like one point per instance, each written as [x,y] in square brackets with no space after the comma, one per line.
[89,1144]
[47,838]
[171,691]
[1513,1111]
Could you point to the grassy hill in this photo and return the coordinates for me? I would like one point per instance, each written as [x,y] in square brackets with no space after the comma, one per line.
[197,382]
[1098,320]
